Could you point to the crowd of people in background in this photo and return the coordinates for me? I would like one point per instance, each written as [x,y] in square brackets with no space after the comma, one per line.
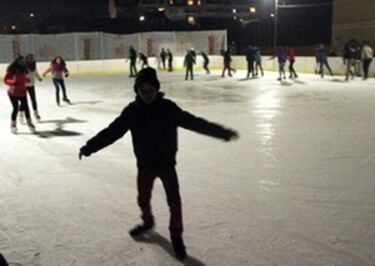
[355,55]
[20,77]
[22,72]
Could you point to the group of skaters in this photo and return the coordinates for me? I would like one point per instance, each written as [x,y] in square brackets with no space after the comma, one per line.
[165,61]
[357,57]
[20,77]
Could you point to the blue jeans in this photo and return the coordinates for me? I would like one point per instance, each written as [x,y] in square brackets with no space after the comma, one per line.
[59,83]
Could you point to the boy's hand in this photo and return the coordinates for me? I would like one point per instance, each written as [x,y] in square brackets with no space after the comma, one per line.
[233,135]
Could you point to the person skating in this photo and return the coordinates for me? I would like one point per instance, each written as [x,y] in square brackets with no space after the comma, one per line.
[153,122]
[163,57]
[258,61]
[367,55]
[291,54]
[323,60]
[170,60]
[144,59]
[132,56]
[192,51]
[32,73]
[349,58]
[16,78]
[317,60]
[250,58]
[227,56]
[189,62]
[281,59]
[206,62]
[59,71]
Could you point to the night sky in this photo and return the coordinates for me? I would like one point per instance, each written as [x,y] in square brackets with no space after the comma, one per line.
[297,26]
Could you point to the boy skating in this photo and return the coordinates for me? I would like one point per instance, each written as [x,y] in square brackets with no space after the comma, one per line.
[153,123]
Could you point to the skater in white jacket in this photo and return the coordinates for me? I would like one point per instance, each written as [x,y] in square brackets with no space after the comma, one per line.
[32,73]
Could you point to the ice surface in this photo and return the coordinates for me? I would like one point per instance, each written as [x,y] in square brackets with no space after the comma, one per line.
[296,189]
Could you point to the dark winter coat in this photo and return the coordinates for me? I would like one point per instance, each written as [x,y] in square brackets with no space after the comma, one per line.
[170,56]
[227,56]
[250,55]
[351,50]
[205,58]
[154,131]
[132,54]
[189,60]
[321,55]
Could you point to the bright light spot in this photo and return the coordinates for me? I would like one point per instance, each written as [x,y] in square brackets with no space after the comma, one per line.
[199,2]
[142,18]
[13,27]
[252,9]
[234,11]
[272,15]
[32,15]
[190,2]
[191,20]
[161,9]
[234,17]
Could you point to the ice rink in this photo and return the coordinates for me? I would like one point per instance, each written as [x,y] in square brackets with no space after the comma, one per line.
[297,188]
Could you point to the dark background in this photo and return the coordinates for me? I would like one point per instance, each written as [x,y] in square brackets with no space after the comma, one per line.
[300,22]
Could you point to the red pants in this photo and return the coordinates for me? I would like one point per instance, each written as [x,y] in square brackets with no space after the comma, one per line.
[145,181]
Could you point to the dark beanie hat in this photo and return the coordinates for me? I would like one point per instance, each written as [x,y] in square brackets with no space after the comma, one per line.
[147,75]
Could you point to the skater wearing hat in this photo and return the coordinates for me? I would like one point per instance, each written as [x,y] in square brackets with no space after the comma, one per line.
[153,122]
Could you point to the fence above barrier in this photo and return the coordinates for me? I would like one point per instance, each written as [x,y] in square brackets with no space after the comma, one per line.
[99,45]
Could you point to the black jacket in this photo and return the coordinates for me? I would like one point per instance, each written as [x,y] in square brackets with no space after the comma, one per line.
[154,131]
[189,60]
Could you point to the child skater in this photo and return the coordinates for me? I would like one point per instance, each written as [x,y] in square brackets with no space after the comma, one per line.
[281,59]
[32,73]
[16,79]
[59,70]
[291,55]
[144,59]
[206,61]
[189,63]
[227,56]
[153,122]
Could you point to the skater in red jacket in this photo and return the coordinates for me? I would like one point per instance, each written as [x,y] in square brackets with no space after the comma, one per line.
[16,79]
[153,122]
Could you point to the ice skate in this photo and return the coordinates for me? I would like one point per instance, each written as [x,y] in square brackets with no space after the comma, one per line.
[31,126]
[66,100]
[13,127]
[140,229]
[21,118]
[178,247]
[37,116]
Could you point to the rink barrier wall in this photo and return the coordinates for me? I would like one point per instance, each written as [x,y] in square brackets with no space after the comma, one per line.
[121,66]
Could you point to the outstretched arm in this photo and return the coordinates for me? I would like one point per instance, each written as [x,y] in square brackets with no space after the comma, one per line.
[47,71]
[200,125]
[107,136]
